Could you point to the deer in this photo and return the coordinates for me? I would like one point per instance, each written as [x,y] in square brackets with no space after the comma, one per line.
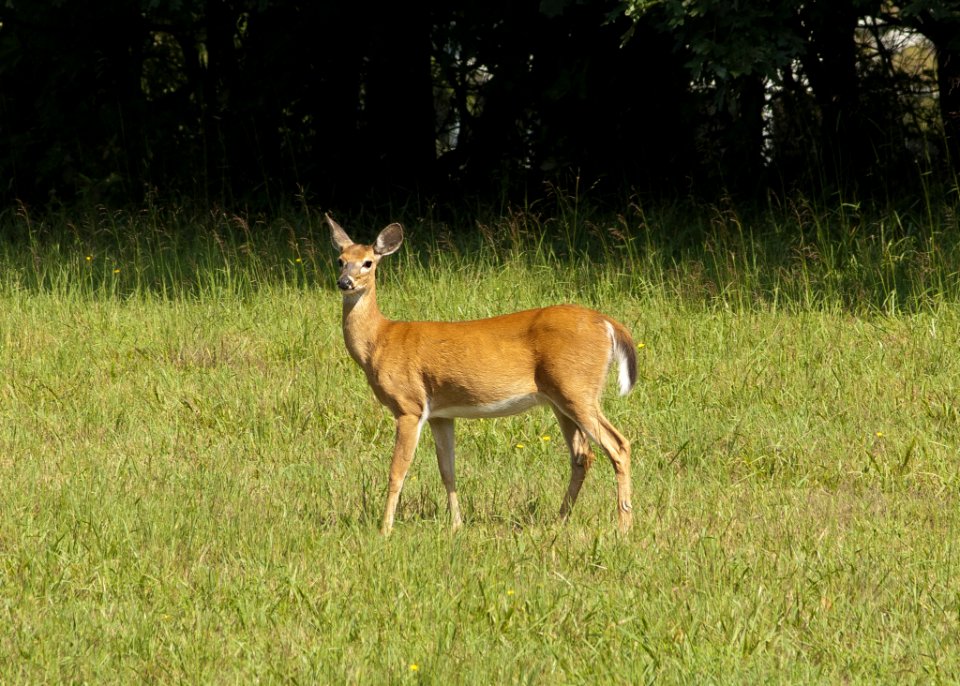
[434,372]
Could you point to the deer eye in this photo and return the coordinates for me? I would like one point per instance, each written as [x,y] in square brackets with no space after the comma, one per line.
[340,263]
[367,264]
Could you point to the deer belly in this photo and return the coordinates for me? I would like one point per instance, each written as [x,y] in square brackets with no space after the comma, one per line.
[499,408]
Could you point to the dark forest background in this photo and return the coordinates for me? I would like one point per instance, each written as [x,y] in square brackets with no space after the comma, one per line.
[347,103]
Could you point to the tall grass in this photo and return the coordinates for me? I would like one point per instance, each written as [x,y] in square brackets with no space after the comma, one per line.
[193,469]
[792,254]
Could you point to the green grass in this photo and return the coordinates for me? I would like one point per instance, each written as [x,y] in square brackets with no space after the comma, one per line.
[193,469]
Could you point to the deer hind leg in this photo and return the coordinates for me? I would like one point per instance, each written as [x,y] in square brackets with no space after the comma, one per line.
[442,429]
[581,459]
[590,420]
[405,444]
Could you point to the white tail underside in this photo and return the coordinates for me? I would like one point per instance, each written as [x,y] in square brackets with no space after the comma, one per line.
[623,371]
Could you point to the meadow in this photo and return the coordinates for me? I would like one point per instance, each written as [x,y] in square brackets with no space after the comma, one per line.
[193,470]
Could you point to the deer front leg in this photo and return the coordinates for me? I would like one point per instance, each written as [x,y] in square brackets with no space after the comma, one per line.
[408,435]
[443,437]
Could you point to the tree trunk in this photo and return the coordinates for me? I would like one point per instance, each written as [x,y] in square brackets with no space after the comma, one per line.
[943,31]
[830,63]
[398,101]
[948,82]
[743,163]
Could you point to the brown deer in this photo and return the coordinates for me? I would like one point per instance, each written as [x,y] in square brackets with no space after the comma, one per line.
[437,371]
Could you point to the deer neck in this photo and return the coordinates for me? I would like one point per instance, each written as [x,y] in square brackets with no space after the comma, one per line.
[362,322]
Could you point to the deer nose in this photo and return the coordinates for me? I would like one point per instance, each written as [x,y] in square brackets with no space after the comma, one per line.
[345,283]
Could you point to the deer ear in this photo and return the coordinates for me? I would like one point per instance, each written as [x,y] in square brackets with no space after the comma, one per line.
[339,237]
[389,240]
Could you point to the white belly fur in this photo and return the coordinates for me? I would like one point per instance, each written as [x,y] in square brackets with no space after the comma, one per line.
[501,408]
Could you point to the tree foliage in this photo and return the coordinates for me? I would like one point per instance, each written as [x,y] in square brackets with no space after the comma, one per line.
[819,72]
[255,100]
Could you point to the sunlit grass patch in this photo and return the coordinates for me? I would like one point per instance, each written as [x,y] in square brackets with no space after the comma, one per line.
[193,469]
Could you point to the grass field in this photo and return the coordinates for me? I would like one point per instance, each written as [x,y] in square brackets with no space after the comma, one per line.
[193,470]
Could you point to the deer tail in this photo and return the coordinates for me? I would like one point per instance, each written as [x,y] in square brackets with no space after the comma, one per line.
[625,352]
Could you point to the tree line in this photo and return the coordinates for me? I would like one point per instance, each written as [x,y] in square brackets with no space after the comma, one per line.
[345,102]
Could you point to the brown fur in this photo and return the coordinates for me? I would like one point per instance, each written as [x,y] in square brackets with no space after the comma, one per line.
[435,371]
